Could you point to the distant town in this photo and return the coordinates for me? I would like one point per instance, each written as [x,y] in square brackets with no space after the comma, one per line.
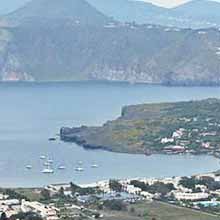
[95,201]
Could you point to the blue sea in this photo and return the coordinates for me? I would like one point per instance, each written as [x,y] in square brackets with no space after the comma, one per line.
[30,113]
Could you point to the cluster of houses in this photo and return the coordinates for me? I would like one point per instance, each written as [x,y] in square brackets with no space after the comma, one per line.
[132,193]
[178,194]
[47,212]
[13,207]
[181,139]
[9,206]
[171,142]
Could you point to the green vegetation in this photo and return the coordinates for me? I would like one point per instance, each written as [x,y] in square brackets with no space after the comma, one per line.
[157,211]
[115,186]
[191,182]
[26,216]
[74,41]
[82,191]
[13,194]
[116,205]
[29,193]
[118,209]
[141,128]
[157,187]
[202,14]
[45,195]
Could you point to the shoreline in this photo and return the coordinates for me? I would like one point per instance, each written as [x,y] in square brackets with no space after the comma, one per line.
[80,143]
[107,82]
[94,183]
[104,181]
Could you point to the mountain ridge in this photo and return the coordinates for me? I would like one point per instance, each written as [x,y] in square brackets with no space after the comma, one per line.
[194,14]
[79,11]
[57,48]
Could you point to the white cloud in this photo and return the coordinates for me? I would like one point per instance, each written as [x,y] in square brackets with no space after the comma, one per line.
[169,3]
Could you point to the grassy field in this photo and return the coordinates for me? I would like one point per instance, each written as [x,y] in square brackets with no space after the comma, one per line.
[31,194]
[158,211]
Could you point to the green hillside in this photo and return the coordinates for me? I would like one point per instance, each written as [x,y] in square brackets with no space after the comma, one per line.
[153,128]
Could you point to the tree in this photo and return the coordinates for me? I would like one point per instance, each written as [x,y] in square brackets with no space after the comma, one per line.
[132,210]
[61,192]
[114,185]
[26,216]
[74,188]
[3,216]
[45,194]
[116,205]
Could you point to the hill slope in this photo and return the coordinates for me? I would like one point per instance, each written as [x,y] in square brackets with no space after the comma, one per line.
[114,53]
[194,14]
[155,128]
[127,10]
[77,11]
[64,44]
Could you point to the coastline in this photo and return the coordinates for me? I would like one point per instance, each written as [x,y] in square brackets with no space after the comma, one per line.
[108,82]
[81,143]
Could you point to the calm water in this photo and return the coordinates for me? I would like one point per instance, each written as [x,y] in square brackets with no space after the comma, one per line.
[30,113]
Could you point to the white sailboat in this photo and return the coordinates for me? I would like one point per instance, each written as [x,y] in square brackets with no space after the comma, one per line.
[94,166]
[28,167]
[79,169]
[48,170]
[61,168]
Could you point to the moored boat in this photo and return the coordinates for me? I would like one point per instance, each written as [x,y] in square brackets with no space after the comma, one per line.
[47,171]
[79,169]
[28,167]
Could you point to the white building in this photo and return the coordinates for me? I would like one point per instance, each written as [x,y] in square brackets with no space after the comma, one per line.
[132,189]
[9,206]
[167,140]
[147,195]
[190,196]
[3,196]
[46,211]
[10,202]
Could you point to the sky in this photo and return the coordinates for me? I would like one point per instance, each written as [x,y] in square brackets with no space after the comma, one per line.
[170,3]
[167,3]
[10,5]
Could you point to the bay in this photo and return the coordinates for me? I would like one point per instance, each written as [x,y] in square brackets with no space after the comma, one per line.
[30,113]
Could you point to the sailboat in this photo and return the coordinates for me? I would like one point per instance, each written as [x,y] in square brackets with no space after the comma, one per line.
[48,170]
[94,166]
[79,169]
[42,157]
[28,167]
[61,167]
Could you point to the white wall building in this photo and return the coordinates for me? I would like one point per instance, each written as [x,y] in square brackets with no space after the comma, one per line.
[190,196]
[46,211]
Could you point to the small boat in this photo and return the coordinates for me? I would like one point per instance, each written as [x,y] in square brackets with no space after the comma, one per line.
[79,169]
[50,161]
[42,157]
[94,166]
[47,171]
[28,167]
[46,164]
[52,139]
[61,168]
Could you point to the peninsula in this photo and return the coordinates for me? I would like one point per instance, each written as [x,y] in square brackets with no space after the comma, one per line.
[181,127]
